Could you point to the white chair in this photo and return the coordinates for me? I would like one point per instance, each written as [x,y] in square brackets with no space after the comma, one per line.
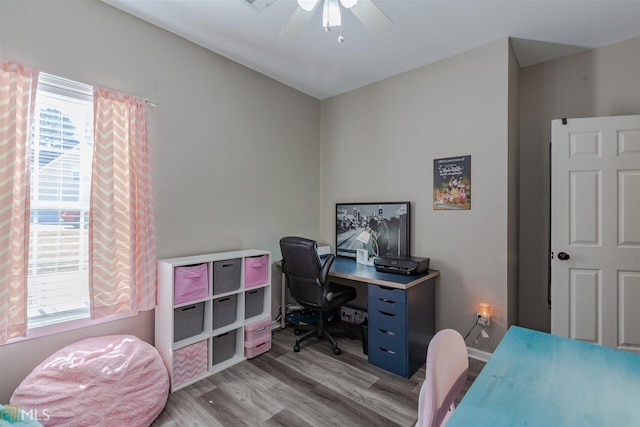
[446,373]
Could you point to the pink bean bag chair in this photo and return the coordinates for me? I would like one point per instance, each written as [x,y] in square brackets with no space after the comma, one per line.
[114,380]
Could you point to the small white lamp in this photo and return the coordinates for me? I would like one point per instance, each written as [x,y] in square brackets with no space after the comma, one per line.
[362,255]
[365,237]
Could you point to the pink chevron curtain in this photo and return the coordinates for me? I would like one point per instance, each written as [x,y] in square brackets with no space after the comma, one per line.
[122,266]
[17,99]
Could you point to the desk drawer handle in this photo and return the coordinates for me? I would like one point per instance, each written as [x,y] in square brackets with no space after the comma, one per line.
[387,300]
[387,351]
[386,332]
[386,314]
[386,288]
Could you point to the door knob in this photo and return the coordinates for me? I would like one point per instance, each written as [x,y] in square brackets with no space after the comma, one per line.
[563,256]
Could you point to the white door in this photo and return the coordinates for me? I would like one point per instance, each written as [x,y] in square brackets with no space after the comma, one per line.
[595,230]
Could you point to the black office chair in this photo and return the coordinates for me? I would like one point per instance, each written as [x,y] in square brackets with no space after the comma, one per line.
[309,286]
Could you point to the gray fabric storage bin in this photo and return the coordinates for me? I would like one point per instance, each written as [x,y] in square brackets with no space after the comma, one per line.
[226,275]
[188,321]
[253,302]
[224,347]
[224,311]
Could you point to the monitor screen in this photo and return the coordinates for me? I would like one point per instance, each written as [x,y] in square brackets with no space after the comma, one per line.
[381,228]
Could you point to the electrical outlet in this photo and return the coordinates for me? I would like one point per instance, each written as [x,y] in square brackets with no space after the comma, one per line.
[484,321]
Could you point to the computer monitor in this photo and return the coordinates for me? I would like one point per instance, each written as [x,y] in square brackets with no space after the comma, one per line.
[381,227]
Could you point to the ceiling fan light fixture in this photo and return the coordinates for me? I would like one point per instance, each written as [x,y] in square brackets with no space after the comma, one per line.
[331,14]
[348,4]
[307,5]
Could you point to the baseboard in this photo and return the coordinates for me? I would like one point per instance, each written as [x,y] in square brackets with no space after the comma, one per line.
[481,355]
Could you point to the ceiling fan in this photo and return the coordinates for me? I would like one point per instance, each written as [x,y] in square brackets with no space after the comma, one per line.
[366,11]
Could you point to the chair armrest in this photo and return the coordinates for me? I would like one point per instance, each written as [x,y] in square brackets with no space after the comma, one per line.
[328,295]
[326,267]
[333,295]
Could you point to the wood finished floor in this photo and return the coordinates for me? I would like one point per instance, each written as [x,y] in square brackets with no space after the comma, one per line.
[310,388]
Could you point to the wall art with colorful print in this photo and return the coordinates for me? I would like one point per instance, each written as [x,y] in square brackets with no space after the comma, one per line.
[452,183]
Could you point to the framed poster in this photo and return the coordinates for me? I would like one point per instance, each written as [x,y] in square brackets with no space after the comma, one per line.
[382,228]
[452,183]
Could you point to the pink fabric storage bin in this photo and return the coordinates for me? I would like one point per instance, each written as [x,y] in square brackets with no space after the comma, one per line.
[258,330]
[190,283]
[190,362]
[256,348]
[256,271]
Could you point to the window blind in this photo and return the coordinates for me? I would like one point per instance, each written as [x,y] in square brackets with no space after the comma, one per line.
[61,156]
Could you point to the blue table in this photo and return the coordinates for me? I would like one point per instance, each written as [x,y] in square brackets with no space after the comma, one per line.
[402,314]
[402,317]
[538,379]
[347,268]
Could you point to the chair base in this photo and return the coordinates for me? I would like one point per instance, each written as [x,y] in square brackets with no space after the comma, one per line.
[321,331]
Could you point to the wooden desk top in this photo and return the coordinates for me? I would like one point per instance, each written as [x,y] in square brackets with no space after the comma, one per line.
[538,379]
[347,268]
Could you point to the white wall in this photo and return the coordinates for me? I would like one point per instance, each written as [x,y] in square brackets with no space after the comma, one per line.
[600,82]
[379,143]
[513,188]
[234,153]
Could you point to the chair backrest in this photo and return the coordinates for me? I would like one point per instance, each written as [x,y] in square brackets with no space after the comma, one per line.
[446,373]
[306,275]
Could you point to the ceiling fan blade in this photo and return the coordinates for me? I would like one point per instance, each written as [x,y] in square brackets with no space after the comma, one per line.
[297,23]
[371,16]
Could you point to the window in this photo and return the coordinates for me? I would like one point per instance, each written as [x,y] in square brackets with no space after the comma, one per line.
[61,157]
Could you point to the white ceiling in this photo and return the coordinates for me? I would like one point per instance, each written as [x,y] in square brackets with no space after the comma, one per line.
[423,32]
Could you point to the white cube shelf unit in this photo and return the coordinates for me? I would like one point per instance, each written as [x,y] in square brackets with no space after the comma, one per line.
[198,321]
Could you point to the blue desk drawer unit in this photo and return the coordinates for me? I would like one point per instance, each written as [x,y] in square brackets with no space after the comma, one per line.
[401,325]
[388,351]
[389,319]
[385,295]
[388,306]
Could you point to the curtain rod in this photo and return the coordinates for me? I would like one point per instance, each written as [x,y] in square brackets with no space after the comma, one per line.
[53,77]
[150,102]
